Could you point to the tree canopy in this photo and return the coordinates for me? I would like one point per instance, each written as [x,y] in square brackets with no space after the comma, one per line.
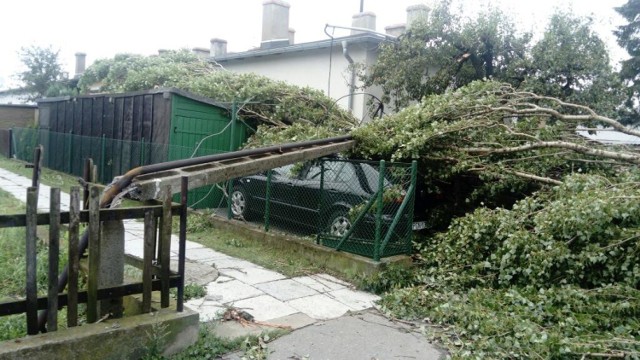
[446,51]
[278,110]
[43,75]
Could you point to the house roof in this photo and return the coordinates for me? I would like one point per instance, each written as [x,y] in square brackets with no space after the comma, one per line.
[176,91]
[609,136]
[308,46]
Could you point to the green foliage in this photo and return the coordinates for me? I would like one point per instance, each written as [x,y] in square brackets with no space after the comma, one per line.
[191,291]
[556,276]
[557,70]
[468,144]
[447,51]
[43,75]
[260,99]
[551,323]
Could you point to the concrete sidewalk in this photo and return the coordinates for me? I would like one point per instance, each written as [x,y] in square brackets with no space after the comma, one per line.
[335,321]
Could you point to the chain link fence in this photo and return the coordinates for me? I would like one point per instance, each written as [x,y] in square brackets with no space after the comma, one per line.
[343,204]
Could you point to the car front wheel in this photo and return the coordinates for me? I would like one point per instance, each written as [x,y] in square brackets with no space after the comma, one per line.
[339,224]
[239,203]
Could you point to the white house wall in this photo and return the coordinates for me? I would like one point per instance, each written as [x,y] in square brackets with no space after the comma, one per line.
[313,68]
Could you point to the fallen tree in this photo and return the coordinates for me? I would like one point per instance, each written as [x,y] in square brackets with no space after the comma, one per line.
[542,261]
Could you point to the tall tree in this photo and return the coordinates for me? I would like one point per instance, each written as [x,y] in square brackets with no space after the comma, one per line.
[629,38]
[447,51]
[43,70]
[571,63]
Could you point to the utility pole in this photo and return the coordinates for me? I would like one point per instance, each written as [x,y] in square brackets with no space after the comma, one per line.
[361,6]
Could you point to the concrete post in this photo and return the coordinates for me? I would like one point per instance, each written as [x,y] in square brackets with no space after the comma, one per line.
[111,264]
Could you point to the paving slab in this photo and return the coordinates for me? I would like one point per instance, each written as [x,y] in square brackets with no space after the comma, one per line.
[251,275]
[318,283]
[361,336]
[265,307]
[320,306]
[287,289]
[228,292]
[354,299]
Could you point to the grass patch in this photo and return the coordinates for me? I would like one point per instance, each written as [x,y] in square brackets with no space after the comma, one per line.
[13,269]
[199,229]
[210,346]
[49,177]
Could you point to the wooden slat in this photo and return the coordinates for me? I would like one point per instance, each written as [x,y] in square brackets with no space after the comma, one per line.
[149,240]
[86,176]
[20,306]
[165,248]
[54,254]
[94,256]
[19,220]
[74,227]
[182,242]
[32,287]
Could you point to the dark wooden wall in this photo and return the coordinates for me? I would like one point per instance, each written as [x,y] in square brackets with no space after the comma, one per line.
[129,124]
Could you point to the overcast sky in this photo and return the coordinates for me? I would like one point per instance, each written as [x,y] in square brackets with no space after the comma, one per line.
[102,29]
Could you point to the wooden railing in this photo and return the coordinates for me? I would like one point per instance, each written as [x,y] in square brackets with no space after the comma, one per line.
[156,273]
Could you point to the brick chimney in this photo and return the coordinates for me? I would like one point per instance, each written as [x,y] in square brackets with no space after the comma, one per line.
[218,47]
[81,59]
[364,20]
[275,24]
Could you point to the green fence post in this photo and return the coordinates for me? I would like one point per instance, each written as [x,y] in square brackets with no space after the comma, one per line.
[267,199]
[321,203]
[70,154]
[231,148]
[229,190]
[376,245]
[414,184]
[102,158]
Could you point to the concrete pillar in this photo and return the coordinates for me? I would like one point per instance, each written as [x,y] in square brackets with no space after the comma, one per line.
[275,24]
[218,47]
[418,12]
[364,20]
[395,30]
[111,264]
[80,64]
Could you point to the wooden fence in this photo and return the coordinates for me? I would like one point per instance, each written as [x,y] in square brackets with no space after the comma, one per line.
[156,273]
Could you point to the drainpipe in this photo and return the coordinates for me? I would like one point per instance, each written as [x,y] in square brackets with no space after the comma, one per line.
[352,84]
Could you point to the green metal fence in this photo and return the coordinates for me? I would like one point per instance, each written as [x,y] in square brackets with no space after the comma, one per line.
[66,153]
[342,204]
